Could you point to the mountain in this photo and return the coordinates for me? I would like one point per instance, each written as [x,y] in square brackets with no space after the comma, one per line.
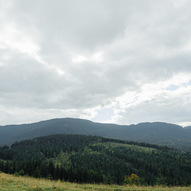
[156,133]
[93,159]
[188,128]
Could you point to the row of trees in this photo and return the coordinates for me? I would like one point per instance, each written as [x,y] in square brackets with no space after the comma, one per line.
[47,169]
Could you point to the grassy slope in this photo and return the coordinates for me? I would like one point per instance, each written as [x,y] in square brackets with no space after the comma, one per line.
[13,183]
[133,147]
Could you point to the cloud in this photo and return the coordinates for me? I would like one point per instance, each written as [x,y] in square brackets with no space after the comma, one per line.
[106,60]
[163,101]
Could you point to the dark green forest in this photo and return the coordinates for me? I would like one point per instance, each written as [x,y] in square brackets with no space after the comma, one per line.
[93,159]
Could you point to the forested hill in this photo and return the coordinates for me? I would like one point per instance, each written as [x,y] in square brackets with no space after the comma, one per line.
[81,158]
[156,133]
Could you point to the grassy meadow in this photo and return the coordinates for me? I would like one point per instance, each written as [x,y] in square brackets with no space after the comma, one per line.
[15,183]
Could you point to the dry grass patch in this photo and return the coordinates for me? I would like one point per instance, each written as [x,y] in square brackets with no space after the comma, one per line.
[13,183]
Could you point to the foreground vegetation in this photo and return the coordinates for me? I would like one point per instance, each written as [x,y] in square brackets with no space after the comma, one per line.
[15,183]
[91,159]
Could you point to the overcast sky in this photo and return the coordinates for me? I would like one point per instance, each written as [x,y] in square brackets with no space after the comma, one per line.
[116,61]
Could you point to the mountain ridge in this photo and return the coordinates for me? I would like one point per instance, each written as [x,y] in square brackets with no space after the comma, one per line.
[152,132]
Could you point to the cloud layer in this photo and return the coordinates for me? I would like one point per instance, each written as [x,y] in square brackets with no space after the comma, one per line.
[111,61]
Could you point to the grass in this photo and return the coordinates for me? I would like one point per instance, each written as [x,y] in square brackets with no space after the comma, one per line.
[14,183]
[134,147]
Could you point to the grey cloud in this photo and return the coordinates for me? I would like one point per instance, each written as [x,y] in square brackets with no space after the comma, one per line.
[23,80]
[161,109]
[85,23]
[141,41]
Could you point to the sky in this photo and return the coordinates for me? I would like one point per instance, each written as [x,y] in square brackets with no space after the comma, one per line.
[110,61]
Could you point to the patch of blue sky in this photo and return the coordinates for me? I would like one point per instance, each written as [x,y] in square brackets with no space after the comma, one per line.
[173,87]
[104,114]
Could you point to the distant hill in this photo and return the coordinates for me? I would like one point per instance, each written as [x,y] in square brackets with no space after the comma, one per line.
[188,128]
[156,133]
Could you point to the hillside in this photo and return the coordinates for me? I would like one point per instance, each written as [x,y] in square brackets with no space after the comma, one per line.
[156,133]
[92,159]
[19,183]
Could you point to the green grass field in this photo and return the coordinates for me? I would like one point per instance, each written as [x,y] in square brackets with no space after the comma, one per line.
[14,183]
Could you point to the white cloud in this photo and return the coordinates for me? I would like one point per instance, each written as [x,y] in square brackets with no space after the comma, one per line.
[163,101]
[96,58]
